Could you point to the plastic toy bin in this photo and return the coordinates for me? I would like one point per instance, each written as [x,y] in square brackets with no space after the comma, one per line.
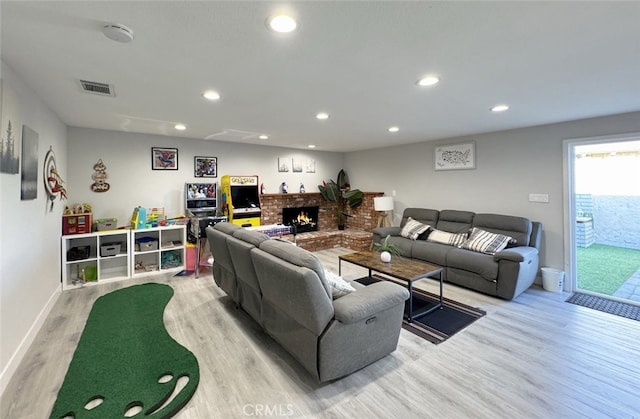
[78,253]
[147,243]
[110,249]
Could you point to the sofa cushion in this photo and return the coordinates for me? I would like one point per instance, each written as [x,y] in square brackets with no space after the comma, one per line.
[519,228]
[412,229]
[430,252]
[455,221]
[485,242]
[339,287]
[250,236]
[425,216]
[444,237]
[227,228]
[479,263]
[298,256]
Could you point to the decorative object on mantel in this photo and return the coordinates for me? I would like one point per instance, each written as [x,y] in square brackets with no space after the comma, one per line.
[382,204]
[340,192]
[455,157]
[263,190]
[52,179]
[387,249]
[284,188]
[301,188]
[99,177]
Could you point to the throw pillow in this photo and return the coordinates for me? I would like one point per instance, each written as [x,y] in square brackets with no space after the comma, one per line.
[412,229]
[485,242]
[339,287]
[444,237]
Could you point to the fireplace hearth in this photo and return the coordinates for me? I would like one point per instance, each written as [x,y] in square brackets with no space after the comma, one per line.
[303,219]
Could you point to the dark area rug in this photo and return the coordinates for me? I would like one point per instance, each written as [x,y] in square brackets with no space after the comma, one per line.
[440,324]
[126,364]
[630,311]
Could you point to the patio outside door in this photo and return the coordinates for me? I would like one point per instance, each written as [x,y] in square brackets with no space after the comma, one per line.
[605,217]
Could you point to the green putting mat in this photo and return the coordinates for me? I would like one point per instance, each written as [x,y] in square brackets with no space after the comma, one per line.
[126,364]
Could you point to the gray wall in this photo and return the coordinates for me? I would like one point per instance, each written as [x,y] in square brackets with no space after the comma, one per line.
[133,183]
[509,166]
[29,232]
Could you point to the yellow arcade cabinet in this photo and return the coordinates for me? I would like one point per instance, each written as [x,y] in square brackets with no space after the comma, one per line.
[240,198]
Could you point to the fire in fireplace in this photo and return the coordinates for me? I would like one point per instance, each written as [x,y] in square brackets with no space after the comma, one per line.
[302,218]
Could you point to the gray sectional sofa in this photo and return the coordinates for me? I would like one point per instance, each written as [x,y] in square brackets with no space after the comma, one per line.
[505,274]
[284,289]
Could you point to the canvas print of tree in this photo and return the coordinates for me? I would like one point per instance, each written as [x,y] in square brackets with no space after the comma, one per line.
[29,175]
[10,137]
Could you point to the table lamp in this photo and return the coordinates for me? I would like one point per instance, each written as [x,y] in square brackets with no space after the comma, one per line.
[382,204]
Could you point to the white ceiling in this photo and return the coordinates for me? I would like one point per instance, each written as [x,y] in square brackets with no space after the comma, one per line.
[358,61]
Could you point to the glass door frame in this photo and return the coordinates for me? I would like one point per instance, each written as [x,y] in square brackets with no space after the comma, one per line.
[569,201]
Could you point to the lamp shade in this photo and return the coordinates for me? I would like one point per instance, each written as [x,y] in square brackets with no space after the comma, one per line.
[383,203]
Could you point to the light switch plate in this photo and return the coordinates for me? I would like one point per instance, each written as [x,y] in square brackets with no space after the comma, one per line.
[538,197]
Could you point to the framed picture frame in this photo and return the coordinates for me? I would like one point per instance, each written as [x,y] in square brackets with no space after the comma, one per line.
[205,166]
[455,156]
[284,164]
[163,158]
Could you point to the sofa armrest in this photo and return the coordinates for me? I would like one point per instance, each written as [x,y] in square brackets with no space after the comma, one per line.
[516,254]
[382,232]
[517,270]
[367,301]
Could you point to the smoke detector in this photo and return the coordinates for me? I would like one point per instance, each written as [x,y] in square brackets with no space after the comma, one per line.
[117,32]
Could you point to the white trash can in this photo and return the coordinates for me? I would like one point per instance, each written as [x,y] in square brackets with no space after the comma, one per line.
[552,279]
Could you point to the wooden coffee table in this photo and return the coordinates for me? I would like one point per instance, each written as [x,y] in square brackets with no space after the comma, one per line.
[404,269]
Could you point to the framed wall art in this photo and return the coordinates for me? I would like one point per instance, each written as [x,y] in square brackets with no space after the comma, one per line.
[29,176]
[283,164]
[164,158]
[205,166]
[455,156]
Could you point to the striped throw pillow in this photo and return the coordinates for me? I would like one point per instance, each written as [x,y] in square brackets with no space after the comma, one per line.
[485,242]
[444,237]
[412,229]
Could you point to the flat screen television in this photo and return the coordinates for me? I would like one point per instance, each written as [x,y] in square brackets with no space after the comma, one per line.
[200,196]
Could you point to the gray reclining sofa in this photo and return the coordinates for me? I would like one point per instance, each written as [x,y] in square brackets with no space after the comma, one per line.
[283,288]
[505,274]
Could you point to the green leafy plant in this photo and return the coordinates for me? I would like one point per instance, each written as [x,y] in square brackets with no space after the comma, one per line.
[340,191]
[385,246]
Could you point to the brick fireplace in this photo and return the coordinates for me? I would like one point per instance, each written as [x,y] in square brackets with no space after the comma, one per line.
[357,234]
[364,217]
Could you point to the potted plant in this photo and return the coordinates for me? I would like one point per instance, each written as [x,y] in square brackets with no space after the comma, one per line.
[340,192]
[387,249]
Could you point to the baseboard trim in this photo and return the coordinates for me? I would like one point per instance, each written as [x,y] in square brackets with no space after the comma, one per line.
[19,354]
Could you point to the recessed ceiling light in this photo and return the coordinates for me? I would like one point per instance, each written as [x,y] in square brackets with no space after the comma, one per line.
[428,81]
[211,95]
[393,129]
[283,23]
[311,146]
[263,137]
[322,115]
[499,108]
[180,127]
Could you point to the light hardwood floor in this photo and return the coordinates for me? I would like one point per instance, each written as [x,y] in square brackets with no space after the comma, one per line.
[535,357]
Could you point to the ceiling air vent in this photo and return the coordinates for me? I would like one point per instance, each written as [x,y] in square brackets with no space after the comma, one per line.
[97,88]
